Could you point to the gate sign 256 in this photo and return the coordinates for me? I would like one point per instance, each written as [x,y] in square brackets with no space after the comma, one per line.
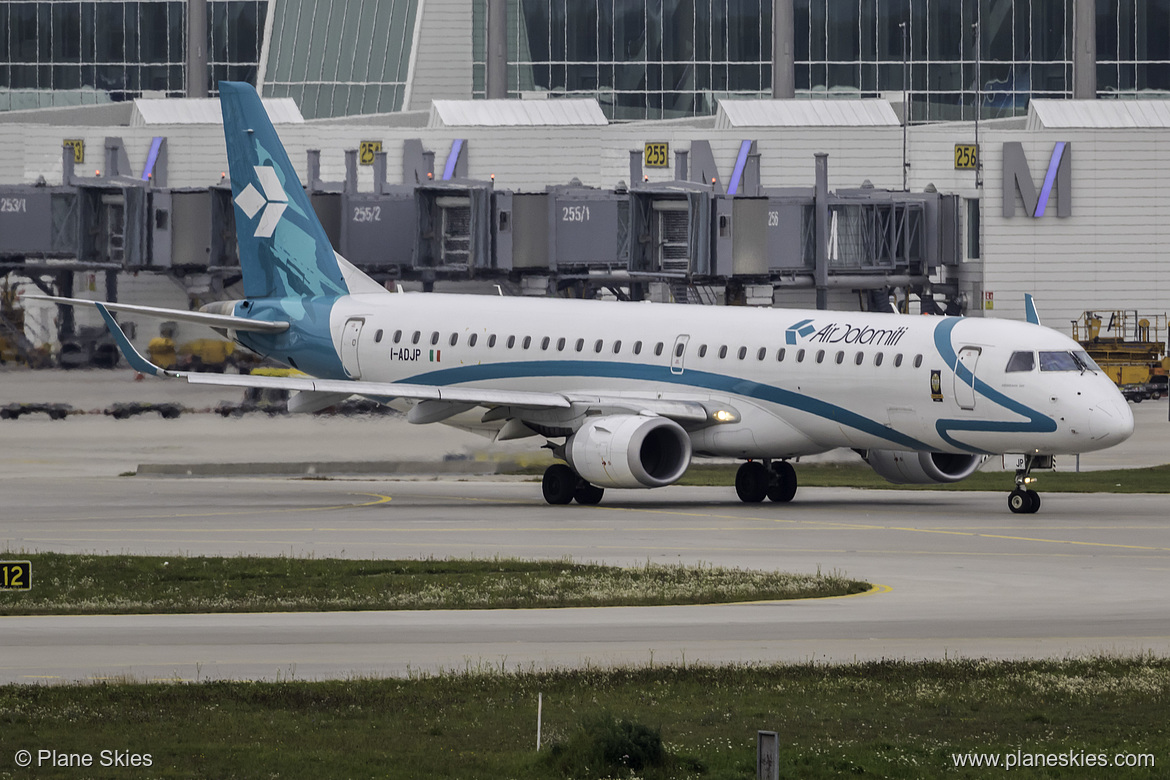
[966,157]
[657,155]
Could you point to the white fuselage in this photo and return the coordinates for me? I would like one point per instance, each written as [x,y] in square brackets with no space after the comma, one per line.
[802,381]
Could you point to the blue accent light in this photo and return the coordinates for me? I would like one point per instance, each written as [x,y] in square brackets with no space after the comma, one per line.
[1050,177]
[740,164]
[452,159]
[152,158]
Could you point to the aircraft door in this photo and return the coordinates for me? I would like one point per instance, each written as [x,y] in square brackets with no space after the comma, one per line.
[678,356]
[965,388]
[350,337]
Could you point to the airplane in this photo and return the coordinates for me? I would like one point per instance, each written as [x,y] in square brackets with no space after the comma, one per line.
[627,394]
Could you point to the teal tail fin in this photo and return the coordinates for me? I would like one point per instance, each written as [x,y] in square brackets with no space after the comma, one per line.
[284,251]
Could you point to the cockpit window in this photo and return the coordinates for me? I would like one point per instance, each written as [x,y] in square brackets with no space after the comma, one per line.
[1059,361]
[1021,361]
[1086,361]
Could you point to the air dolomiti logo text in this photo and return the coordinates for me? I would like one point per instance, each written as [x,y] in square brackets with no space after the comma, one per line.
[273,202]
[845,333]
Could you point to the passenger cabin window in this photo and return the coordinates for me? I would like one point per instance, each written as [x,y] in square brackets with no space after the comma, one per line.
[742,353]
[511,341]
[637,348]
[378,336]
[397,336]
[820,356]
[492,340]
[780,355]
[703,351]
[678,351]
[544,342]
[472,339]
[877,359]
[417,335]
[898,360]
[454,339]
[763,353]
[1058,361]
[1021,361]
[435,338]
[918,361]
[723,352]
[617,346]
[658,349]
[561,344]
[597,346]
[580,344]
[800,356]
[859,357]
[527,342]
[840,357]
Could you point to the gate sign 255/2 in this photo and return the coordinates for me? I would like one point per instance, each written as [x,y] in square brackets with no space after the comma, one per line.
[657,155]
[966,157]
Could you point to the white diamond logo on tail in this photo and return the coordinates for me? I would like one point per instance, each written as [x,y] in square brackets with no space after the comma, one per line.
[273,202]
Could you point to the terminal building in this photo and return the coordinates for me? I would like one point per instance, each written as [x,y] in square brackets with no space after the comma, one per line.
[706,152]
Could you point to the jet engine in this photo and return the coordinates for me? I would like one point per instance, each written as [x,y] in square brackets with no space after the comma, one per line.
[629,451]
[921,468]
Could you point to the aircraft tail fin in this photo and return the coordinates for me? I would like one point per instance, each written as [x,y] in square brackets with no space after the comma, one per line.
[284,251]
[1030,312]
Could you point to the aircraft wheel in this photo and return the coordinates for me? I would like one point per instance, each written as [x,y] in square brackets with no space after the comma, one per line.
[751,482]
[784,488]
[1020,502]
[588,494]
[559,484]
[1034,498]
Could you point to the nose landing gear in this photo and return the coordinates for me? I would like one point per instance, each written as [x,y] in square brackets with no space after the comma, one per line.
[1023,500]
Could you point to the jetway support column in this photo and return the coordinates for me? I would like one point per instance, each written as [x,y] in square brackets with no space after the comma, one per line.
[821,269]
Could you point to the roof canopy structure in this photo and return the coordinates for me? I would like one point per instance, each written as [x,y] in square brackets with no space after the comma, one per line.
[805,113]
[1105,114]
[204,111]
[516,113]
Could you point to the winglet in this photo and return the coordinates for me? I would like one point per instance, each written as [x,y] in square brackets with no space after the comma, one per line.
[1030,309]
[136,361]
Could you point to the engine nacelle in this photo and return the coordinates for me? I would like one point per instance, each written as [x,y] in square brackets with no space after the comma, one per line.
[922,468]
[629,451]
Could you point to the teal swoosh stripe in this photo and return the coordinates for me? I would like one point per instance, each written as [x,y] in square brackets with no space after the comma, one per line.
[1037,422]
[691,378]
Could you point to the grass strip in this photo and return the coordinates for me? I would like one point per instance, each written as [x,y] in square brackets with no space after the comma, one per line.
[122,584]
[883,719]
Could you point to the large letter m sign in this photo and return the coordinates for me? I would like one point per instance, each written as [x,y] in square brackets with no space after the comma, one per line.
[1018,177]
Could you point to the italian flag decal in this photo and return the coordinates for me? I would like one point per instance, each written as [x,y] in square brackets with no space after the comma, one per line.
[435,353]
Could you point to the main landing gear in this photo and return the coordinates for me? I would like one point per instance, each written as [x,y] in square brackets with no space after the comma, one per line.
[758,480]
[561,485]
[1022,500]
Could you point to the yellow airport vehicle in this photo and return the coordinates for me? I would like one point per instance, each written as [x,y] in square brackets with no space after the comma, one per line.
[1130,348]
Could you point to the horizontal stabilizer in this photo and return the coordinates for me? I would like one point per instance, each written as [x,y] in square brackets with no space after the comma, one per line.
[199,317]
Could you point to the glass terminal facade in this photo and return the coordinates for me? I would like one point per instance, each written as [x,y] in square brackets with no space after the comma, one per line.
[673,58]
[63,52]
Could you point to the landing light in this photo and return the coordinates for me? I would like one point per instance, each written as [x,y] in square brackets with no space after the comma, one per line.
[724,416]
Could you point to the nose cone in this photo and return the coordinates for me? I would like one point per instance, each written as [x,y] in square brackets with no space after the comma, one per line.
[1110,422]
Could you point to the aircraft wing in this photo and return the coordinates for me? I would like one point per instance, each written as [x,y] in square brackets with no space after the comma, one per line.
[437,402]
[199,317]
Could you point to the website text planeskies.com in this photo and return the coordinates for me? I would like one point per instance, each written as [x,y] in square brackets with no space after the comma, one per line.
[1068,759]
